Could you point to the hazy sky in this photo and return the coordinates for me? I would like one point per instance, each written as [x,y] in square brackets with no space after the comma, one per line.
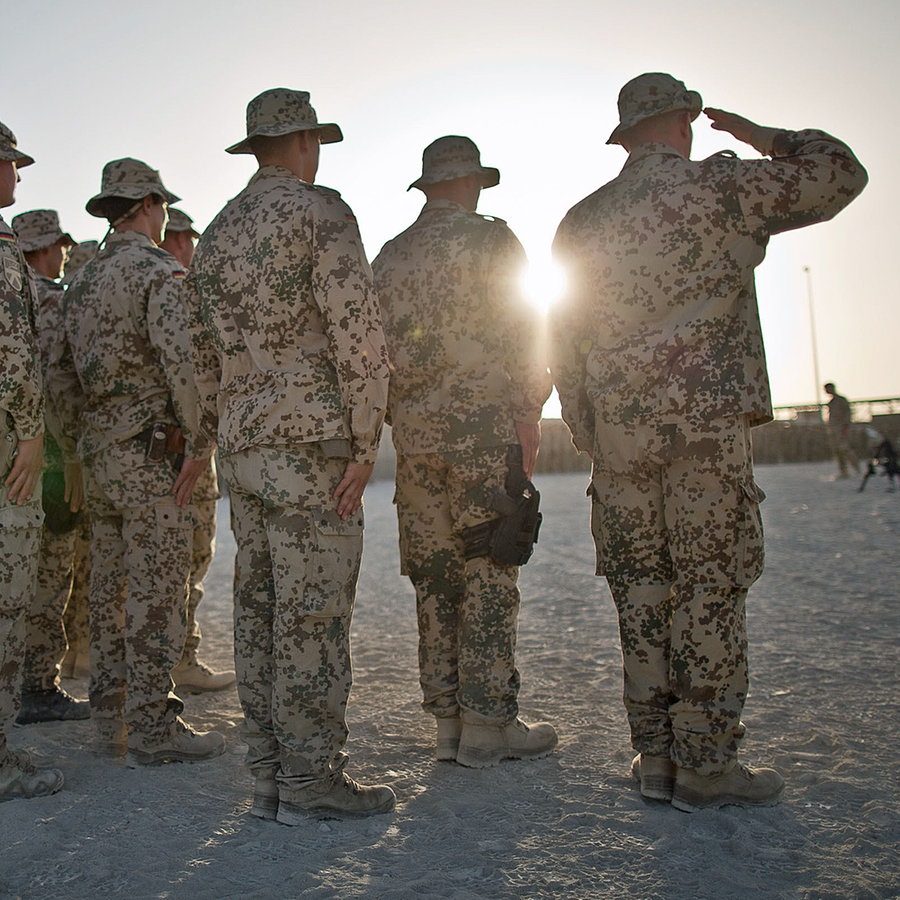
[534,84]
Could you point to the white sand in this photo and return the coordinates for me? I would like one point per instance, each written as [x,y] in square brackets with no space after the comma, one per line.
[824,627]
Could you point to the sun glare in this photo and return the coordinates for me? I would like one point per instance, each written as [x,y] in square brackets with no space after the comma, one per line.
[543,283]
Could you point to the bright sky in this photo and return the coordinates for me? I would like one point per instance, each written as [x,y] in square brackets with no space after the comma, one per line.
[534,84]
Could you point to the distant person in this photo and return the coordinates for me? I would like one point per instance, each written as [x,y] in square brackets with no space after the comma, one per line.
[121,383]
[45,247]
[78,256]
[659,362]
[292,370]
[21,461]
[468,382]
[191,674]
[839,425]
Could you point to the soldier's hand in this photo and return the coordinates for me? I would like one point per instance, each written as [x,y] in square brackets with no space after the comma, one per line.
[26,470]
[530,439]
[348,494]
[191,470]
[74,486]
[737,126]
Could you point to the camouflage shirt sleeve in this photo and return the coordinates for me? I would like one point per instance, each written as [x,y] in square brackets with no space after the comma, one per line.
[207,364]
[345,294]
[20,377]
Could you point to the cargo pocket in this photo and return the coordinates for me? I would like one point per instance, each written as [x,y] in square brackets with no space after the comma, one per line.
[333,568]
[20,541]
[751,549]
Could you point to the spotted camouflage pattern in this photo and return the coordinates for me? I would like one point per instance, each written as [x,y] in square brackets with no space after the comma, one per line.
[658,358]
[140,559]
[465,367]
[464,347]
[21,416]
[295,584]
[203,547]
[75,619]
[467,610]
[288,339]
[126,359]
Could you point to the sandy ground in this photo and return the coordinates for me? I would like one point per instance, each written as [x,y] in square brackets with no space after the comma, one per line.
[824,651]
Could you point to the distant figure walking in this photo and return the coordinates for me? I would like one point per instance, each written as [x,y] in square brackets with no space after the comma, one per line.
[839,421]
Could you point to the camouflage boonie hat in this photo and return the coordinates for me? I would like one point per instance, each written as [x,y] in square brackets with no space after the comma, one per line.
[130,179]
[651,95]
[181,221]
[283,111]
[39,228]
[8,148]
[78,256]
[453,157]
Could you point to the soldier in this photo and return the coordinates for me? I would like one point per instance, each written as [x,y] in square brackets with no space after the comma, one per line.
[659,362]
[21,459]
[79,255]
[467,387]
[45,246]
[292,371]
[840,419]
[122,381]
[191,674]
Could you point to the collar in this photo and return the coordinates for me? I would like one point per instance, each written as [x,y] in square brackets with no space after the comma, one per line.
[652,148]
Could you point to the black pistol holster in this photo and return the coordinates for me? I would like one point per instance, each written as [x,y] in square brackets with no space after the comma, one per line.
[510,539]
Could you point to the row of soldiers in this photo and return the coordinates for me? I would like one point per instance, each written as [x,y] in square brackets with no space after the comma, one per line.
[284,348]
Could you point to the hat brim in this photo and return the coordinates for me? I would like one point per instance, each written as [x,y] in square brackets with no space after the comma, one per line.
[694,109]
[329,133]
[490,177]
[137,192]
[20,159]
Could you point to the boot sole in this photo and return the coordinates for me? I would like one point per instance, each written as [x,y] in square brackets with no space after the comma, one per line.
[300,815]
[690,801]
[159,757]
[478,758]
[264,808]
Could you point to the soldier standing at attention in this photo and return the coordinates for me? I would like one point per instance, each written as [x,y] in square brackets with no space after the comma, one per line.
[45,245]
[468,383]
[659,363]
[21,459]
[122,383]
[292,371]
[191,674]
[840,419]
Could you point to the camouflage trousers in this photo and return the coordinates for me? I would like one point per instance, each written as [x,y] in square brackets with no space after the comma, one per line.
[20,537]
[467,610]
[140,559]
[676,523]
[45,636]
[294,588]
[75,618]
[206,493]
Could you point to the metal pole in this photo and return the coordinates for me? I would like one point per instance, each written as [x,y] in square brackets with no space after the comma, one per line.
[815,349]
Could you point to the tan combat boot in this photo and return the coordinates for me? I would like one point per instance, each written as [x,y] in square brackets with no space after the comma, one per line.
[195,677]
[337,797]
[486,745]
[265,796]
[739,786]
[656,776]
[19,779]
[180,744]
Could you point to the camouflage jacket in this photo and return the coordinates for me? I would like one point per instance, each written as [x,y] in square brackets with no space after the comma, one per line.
[660,323]
[288,344]
[465,350]
[20,377]
[50,296]
[123,360]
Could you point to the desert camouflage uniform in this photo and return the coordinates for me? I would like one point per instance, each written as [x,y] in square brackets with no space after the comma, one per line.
[125,364]
[291,367]
[21,418]
[659,362]
[45,642]
[203,548]
[465,367]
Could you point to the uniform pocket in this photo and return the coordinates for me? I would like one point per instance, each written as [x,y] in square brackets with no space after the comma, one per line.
[333,569]
[751,551]
[15,518]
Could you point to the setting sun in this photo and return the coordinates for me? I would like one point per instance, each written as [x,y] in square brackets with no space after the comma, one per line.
[543,283]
